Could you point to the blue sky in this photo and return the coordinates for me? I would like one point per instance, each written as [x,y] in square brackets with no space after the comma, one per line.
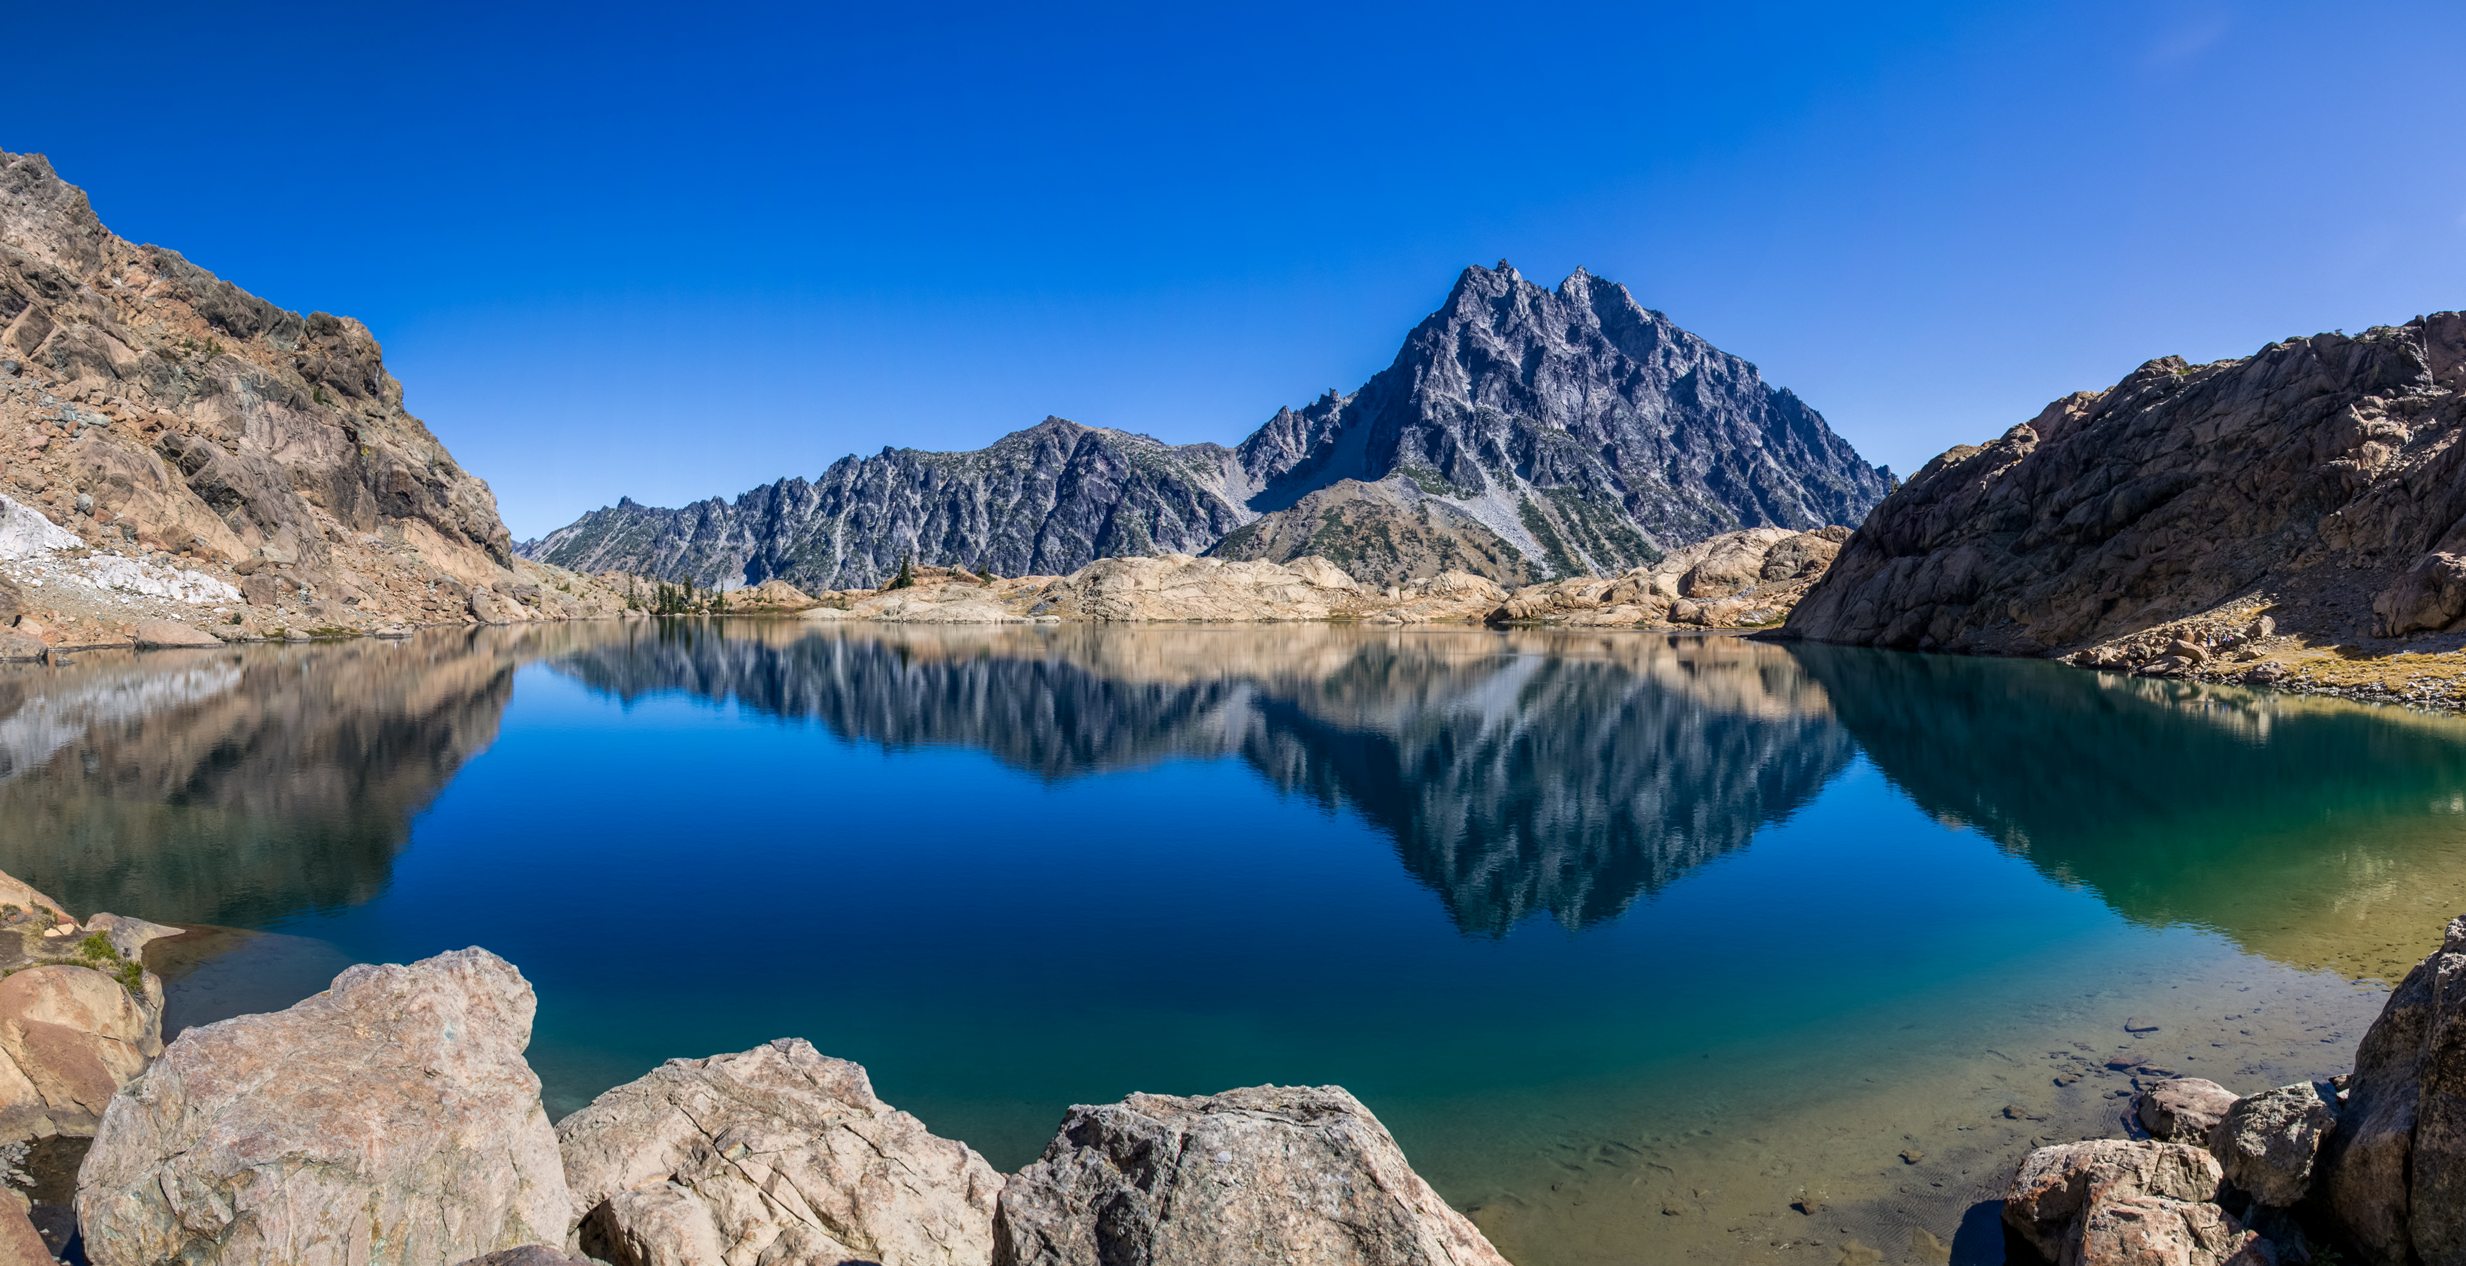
[672,252]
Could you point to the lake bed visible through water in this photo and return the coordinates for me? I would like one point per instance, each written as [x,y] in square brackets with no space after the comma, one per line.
[1646,948]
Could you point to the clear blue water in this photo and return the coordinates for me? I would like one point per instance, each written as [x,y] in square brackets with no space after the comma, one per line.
[1645,948]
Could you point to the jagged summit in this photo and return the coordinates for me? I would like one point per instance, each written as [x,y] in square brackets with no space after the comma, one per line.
[1584,429]
[1534,431]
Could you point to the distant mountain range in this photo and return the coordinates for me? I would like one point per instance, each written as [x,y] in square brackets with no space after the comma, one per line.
[1521,433]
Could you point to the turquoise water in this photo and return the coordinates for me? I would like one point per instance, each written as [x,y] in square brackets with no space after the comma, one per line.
[1646,948]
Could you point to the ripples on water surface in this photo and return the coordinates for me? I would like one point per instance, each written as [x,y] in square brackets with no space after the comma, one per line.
[1648,949]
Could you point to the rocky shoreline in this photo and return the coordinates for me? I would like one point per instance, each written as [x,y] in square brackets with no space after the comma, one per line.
[2371,1162]
[393,1118]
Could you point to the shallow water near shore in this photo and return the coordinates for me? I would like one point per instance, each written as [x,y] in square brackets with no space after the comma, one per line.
[1646,948]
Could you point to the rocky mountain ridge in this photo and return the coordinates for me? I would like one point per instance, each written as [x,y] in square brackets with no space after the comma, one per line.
[2257,517]
[1044,500]
[181,451]
[1521,433]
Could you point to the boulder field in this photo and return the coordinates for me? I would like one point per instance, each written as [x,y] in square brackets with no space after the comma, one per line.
[2368,1166]
[392,1120]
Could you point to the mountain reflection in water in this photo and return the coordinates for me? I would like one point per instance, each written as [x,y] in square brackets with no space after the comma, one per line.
[1518,774]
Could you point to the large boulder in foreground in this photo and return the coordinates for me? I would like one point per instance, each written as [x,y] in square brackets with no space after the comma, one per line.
[390,1119]
[778,1154]
[2126,1188]
[2396,1166]
[1266,1174]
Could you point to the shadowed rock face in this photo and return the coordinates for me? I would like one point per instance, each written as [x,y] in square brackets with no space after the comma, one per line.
[2319,477]
[1520,432]
[2397,1159]
[1517,775]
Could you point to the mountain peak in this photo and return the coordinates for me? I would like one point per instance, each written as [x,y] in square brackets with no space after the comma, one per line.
[1548,431]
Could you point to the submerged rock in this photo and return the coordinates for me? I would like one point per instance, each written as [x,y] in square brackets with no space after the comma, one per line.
[2396,1167]
[390,1119]
[1265,1174]
[777,1154]
[2267,1141]
[2182,1109]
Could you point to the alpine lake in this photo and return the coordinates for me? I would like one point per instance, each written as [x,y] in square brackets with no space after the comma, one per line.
[1646,948]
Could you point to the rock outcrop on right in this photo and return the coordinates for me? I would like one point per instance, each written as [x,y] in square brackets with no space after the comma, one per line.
[2396,1163]
[1264,1174]
[2312,494]
[2368,1167]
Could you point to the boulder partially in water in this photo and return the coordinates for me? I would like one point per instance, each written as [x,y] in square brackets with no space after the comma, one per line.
[79,1014]
[2182,1109]
[777,1154]
[2059,1188]
[1265,1174]
[2396,1167]
[2267,1142]
[389,1119]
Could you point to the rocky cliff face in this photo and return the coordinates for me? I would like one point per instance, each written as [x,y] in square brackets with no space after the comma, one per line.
[1520,433]
[202,454]
[2318,482]
[1045,500]
[1585,431]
